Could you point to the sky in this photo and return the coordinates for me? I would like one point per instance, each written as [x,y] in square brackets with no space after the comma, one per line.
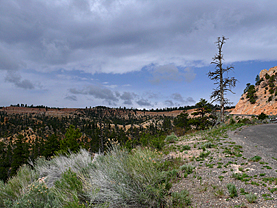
[129,53]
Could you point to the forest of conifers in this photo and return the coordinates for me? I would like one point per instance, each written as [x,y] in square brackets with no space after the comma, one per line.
[24,137]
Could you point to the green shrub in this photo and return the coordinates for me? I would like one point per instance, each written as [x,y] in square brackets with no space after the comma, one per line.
[255,158]
[187,168]
[172,174]
[242,191]
[147,140]
[245,121]
[206,145]
[242,177]
[122,178]
[232,121]
[251,198]
[180,199]
[171,138]
[36,195]
[262,116]
[271,91]
[232,190]
[204,154]
[186,147]
[251,94]
[17,185]
[273,190]
[69,190]
[219,193]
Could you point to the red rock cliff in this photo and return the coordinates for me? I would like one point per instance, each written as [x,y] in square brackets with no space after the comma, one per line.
[266,96]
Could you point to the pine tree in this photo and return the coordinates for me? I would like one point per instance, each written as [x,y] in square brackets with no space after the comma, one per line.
[20,154]
[70,142]
[202,114]
[51,145]
[3,163]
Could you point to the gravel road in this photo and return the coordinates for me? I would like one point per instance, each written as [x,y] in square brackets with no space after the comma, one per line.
[262,138]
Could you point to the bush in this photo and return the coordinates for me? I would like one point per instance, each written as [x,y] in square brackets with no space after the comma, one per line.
[186,147]
[232,121]
[204,154]
[69,190]
[17,185]
[36,195]
[148,140]
[251,198]
[187,168]
[121,178]
[232,190]
[262,116]
[53,169]
[255,158]
[245,121]
[180,199]
[206,145]
[271,91]
[171,138]
[251,94]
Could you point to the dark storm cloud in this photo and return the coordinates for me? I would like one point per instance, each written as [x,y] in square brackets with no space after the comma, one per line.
[71,98]
[98,92]
[119,36]
[127,97]
[190,100]
[16,79]
[177,97]
[144,102]
[169,103]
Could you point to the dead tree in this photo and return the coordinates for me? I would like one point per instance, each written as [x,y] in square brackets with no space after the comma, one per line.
[224,84]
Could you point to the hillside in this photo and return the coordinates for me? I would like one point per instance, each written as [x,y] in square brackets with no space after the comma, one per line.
[261,97]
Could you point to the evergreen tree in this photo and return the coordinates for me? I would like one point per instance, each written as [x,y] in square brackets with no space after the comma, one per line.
[20,154]
[257,80]
[166,124]
[182,120]
[70,142]
[51,145]
[3,162]
[203,107]
[202,120]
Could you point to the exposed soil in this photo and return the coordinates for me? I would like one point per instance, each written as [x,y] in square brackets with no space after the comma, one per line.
[228,156]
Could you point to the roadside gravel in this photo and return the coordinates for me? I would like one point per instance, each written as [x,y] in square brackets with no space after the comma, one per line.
[228,162]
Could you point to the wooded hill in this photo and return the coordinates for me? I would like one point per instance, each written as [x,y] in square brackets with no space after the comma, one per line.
[29,132]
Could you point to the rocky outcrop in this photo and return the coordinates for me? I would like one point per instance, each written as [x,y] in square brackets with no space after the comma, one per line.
[264,99]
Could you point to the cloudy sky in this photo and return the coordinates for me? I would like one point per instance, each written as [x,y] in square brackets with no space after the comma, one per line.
[133,53]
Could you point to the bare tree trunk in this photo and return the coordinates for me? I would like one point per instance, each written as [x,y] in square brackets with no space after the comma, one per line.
[224,84]
[221,84]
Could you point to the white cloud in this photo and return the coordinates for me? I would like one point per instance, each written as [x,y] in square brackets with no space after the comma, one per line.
[169,39]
